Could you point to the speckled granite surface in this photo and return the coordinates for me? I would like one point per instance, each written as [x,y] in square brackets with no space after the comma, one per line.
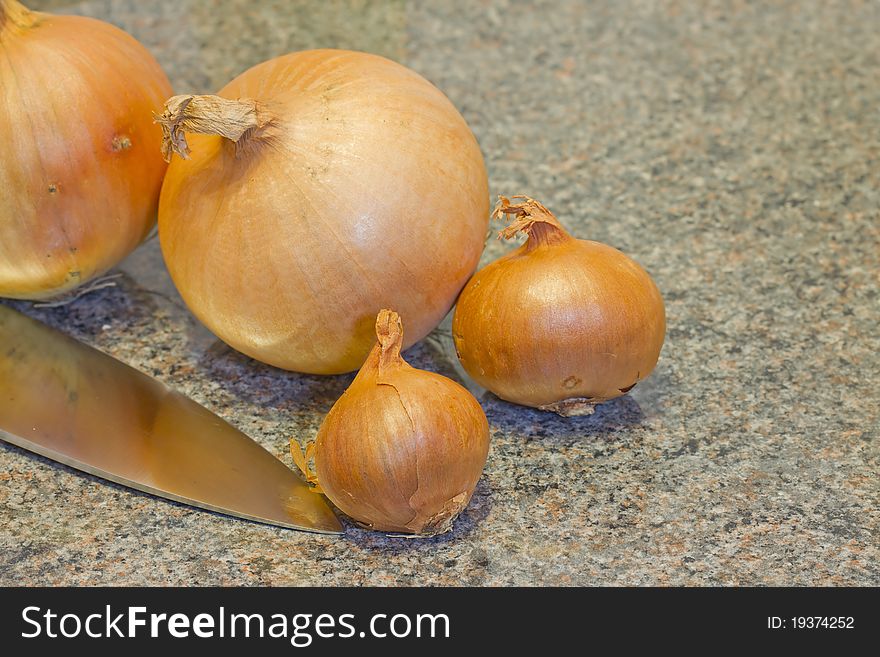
[732,148]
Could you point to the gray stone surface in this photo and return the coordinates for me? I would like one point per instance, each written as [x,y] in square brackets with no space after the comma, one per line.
[731,148]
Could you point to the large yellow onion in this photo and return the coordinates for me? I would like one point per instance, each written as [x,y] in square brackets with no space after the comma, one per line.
[403,449]
[80,168]
[321,187]
[559,324]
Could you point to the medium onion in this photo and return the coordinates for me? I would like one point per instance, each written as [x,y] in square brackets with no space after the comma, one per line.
[80,167]
[320,187]
[402,449]
[559,324]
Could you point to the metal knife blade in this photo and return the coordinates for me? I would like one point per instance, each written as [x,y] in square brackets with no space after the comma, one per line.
[76,405]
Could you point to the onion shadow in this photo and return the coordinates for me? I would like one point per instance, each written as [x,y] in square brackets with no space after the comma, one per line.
[254,382]
[609,419]
[84,314]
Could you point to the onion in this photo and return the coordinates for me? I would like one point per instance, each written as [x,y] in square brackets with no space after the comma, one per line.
[559,324]
[402,449]
[80,168]
[321,187]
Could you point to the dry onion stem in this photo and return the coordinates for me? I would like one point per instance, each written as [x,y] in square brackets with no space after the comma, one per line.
[402,449]
[559,324]
[80,170]
[208,115]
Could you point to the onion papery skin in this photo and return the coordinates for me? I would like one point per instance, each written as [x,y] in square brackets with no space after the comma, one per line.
[365,189]
[80,167]
[560,324]
[403,449]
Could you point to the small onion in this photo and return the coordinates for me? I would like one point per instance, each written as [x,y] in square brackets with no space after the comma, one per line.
[559,324]
[80,168]
[402,449]
[320,187]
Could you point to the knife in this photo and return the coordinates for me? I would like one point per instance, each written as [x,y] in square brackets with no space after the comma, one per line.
[76,405]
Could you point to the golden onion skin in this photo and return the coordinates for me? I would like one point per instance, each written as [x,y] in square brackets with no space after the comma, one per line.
[559,323]
[80,166]
[367,190]
[403,449]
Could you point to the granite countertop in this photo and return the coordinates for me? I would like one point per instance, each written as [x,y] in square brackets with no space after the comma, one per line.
[731,148]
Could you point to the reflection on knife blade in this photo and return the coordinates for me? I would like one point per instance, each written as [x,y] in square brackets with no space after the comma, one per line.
[78,406]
